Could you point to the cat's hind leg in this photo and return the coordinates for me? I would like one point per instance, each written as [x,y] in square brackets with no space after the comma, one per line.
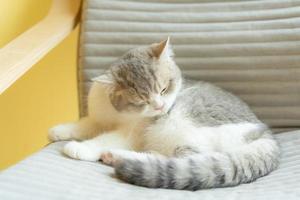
[83,129]
[113,156]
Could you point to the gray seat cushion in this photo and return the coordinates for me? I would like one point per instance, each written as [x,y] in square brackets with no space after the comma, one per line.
[50,175]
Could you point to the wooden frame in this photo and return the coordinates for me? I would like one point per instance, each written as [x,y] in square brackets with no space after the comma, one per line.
[22,53]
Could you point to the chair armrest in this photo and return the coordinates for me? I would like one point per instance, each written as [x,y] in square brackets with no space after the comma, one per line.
[27,49]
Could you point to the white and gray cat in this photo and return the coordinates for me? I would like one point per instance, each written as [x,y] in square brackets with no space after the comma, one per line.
[161,131]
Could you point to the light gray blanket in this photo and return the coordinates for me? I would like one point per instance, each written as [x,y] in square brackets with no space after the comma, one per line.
[48,175]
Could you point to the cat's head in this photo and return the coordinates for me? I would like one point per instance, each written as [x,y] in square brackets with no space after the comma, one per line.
[144,81]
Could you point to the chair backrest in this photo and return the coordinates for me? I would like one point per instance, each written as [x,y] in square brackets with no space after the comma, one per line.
[250,48]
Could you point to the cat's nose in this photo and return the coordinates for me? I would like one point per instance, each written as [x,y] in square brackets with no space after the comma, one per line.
[157,103]
[159,107]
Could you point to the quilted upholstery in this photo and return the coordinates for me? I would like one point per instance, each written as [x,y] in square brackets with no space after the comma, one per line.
[251,48]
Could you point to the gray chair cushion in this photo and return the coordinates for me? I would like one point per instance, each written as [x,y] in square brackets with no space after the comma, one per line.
[251,48]
[48,175]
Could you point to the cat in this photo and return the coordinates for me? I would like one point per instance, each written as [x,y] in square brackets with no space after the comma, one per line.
[160,130]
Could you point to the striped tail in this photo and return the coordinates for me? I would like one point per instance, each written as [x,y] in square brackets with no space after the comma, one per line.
[199,171]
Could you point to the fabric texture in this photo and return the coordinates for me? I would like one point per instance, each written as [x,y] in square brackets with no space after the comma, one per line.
[250,48]
[49,175]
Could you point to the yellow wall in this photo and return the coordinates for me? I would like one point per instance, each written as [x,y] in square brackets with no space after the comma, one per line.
[44,96]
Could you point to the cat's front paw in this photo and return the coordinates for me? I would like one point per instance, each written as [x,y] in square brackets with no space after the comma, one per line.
[80,151]
[61,132]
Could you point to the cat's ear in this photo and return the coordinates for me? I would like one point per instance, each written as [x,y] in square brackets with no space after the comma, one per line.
[105,79]
[163,49]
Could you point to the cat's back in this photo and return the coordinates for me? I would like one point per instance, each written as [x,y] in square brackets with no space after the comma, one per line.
[208,104]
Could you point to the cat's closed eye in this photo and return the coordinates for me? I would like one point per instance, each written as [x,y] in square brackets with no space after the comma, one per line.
[132,91]
[163,90]
[138,104]
[167,88]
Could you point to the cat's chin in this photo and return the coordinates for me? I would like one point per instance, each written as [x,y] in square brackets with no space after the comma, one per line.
[155,113]
[145,114]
